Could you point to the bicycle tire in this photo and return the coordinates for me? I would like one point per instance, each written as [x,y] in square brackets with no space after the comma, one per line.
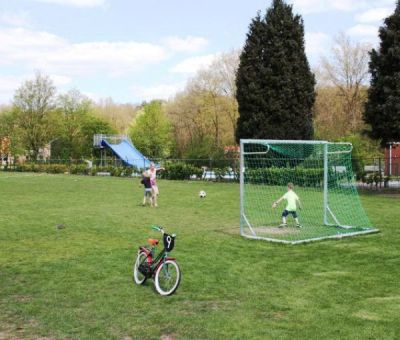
[167,278]
[138,277]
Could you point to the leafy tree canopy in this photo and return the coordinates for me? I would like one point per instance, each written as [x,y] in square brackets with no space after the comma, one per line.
[151,131]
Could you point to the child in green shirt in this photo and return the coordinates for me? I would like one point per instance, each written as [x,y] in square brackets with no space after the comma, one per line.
[293,201]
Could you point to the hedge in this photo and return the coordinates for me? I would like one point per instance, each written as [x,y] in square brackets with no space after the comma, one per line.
[177,171]
[305,177]
[180,171]
[75,169]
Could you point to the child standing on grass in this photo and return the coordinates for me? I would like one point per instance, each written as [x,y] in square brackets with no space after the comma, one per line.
[293,201]
[153,179]
[148,195]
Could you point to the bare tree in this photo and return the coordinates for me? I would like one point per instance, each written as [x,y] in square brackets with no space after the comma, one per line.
[216,84]
[205,113]
[347,72]
[118,115]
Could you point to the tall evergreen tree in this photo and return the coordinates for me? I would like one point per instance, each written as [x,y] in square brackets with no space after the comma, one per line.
[275,87]
[382,111]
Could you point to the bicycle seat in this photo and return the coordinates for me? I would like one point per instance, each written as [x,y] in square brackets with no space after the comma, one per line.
[152,241]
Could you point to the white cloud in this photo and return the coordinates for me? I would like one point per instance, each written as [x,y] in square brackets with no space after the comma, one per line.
[76,3]
[19,19]
[373,15]
[162,91]
[52,54]
[93,96]
[113,58]
[317,6]
[19,44]
[365,31]
[28,49]
[194,64]
[348,6]
[59,80]
[317,43]
[309,6]
[10,83]
[188,44]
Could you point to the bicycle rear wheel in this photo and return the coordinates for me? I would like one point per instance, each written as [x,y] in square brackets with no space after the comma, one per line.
[167,278]
[138,277]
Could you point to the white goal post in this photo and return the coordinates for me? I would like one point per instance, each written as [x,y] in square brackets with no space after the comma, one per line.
[322,175]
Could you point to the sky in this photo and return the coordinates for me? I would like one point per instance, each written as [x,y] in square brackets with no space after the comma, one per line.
[133,50]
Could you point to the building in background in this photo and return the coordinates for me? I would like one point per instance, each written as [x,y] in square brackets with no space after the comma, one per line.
[392,159]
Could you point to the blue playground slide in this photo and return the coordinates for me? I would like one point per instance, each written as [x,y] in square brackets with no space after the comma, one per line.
[128,153]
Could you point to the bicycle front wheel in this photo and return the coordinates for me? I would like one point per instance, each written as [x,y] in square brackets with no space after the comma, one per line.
[138,277]
[167,278]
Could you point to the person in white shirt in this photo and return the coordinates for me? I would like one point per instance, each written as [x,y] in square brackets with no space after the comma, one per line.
[153,180]
[293,201]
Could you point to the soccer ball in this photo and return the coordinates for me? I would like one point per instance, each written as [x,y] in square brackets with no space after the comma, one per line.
[202,194]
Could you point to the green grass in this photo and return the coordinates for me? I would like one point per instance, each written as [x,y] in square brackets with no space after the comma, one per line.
[76,282]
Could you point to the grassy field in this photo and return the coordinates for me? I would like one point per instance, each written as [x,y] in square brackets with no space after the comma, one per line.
[76,282]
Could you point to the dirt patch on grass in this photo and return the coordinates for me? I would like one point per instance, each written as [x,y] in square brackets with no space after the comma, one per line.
[276,230]
[263,230]
[12,331]
[332,274]
[384,298]
[229,231]
[192,308]
[396,195]
[362,314]
[168,337]
[22,298]
[383,192]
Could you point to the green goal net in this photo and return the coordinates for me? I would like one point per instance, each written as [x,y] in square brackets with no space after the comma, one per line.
[323,179]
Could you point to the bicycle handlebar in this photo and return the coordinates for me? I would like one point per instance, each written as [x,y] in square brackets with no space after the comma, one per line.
[160,229]
[157,228]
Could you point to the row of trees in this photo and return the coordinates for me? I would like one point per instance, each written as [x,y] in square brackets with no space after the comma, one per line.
[269,82]
[197,123]
[276,87]
[39,117]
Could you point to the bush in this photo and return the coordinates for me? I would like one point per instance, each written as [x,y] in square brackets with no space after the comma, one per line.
[79,169]
[364,150]
[116,171]
[75,169]
[306,177]
[127,172]
[180,171]
[56,168]
[220,174]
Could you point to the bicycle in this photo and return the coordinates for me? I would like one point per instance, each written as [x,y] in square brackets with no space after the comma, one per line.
[162,268]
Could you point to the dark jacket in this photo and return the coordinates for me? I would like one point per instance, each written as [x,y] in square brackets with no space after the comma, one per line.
[146,182]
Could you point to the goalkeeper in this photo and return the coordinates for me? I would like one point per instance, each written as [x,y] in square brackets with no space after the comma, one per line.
[293,201]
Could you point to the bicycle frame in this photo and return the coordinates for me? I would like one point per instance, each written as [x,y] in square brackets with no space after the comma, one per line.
[160,258]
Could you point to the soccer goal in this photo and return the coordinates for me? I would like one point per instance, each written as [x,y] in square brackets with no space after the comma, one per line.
[323,179]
